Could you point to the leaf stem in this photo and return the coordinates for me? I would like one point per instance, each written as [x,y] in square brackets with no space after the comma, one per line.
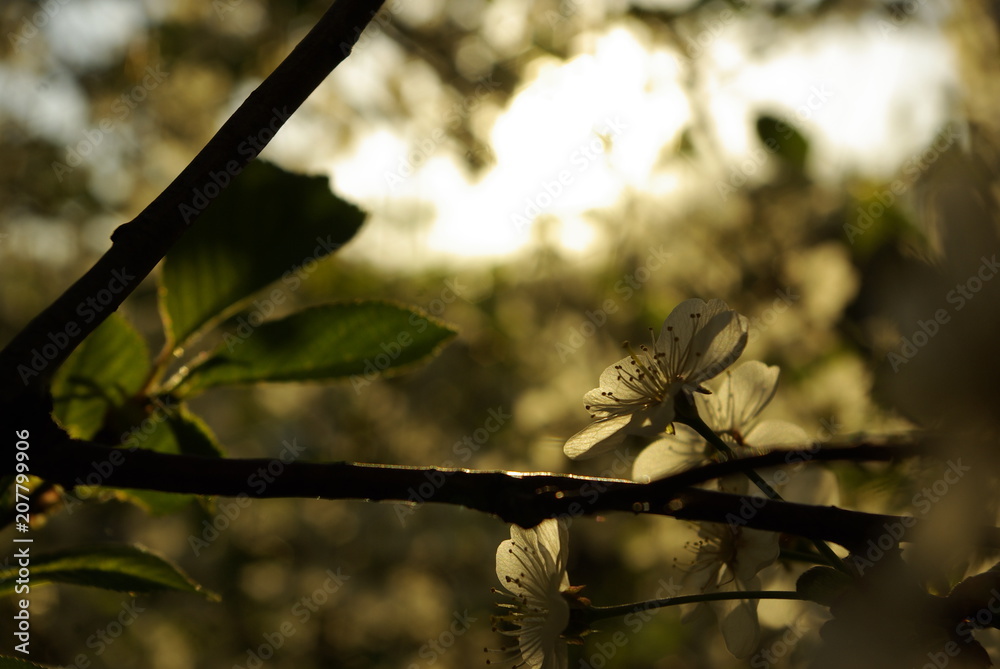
[601,612]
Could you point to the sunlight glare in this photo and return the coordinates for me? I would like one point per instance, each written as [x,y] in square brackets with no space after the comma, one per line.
[574,136]
[580,133]
[865,98]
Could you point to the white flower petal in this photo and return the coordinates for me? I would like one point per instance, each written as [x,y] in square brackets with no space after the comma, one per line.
[703,578]
[717,346]
[685,319]
[652,421]
[542,649]
[669,455]
[741,395]
[688,334]
[539,553]
[601,436]
[555,657]
[532,566]
[697,341]
[728,561]
[770,434]
[755,550]
[612,382]
[813,484]
[740,628]
[611,376]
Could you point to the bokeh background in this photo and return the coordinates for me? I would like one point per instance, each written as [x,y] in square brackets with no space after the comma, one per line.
[552,178]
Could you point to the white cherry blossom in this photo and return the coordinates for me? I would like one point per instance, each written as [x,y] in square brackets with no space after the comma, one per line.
[729,557]
[531,566]
[731,411]
[636,395]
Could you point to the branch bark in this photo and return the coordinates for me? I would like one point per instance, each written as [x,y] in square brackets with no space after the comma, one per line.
[524,499]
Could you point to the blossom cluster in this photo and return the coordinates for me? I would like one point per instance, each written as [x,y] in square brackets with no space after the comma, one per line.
[648,395]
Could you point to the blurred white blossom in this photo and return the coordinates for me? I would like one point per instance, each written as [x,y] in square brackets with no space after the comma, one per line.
[728,559]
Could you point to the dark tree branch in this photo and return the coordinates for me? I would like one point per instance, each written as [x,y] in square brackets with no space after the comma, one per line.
[140,244]
[525,499]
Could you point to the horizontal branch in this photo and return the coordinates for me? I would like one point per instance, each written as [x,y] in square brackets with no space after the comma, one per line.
[522,498]
[34,354]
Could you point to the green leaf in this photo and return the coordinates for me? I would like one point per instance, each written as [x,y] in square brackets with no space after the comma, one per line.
[325,342]
[783,138]
[111,566]
[260,229]
[109,367]
[178,432]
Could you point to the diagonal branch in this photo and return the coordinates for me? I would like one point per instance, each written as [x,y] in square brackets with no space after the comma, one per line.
[522,498]
[34,354]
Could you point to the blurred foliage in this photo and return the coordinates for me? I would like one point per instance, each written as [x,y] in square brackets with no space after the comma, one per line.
[825,304]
